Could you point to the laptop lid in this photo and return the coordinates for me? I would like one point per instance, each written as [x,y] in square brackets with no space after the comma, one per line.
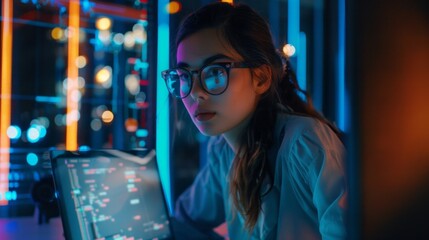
[110,194]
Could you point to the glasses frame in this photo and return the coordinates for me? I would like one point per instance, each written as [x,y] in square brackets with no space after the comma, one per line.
[225,65]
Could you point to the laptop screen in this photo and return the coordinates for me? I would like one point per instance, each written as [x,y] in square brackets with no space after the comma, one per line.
[110,194]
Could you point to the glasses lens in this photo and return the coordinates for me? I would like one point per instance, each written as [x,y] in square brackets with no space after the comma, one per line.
[178,82]
[214,79]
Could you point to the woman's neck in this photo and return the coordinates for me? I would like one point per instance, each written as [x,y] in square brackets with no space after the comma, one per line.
[233,137]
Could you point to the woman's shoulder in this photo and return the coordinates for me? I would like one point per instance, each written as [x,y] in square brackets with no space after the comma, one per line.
[295,125]
[303,135]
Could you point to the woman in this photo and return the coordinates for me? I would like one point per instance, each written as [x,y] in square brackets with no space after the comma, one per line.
[275,167]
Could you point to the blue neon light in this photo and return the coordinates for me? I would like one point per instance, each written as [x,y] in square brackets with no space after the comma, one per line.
[162,105]
[32,159]
[302,61]
[142,132]
[48,99]
[293,24]
[341,94]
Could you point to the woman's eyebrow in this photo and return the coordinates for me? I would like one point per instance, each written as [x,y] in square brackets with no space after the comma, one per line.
[207,60]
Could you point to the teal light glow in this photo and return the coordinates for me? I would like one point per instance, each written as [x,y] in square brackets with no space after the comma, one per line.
[33,134]
[341,94]
[142,132]
[48,99]
[302,61]
[162,105]
[293,24]
[32,159]
[9,196]
[84,148]
[13,132]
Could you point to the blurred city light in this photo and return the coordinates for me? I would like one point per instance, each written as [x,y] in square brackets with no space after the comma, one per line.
[132,83]
[289,50]
[104,76]
[131,125]
[13,132]
[107,116]
[173,7]
[32,159]
[103,23]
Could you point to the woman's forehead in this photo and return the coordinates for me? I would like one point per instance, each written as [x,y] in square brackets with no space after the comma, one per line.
[197,47]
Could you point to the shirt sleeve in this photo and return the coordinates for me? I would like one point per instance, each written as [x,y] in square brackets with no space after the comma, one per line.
[202,204]
[318,179]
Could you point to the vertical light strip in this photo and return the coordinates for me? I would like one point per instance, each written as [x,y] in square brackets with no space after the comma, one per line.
[293,24]
[341,93]
[302,61]
[293,34]
[72,76]
[162,104]
[5,97]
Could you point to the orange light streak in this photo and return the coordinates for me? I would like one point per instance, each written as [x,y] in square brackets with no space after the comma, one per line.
[5,97]
[72,75]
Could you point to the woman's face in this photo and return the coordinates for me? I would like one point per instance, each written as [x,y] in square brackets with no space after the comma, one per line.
[216,114]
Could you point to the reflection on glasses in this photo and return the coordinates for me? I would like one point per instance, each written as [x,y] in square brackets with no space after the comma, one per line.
[214,78]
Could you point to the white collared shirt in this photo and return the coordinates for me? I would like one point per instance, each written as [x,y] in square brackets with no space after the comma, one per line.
[307,201]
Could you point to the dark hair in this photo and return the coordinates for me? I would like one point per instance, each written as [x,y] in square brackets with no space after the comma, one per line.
[248,33]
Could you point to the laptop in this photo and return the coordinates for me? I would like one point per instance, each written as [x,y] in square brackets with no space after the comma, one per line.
[110,194]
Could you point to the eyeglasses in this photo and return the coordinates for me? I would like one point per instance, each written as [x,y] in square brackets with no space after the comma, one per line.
[214,78]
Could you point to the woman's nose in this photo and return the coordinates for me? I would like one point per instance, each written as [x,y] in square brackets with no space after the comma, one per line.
[197,92]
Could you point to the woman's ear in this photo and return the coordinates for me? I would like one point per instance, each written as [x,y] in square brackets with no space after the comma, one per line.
[262,78]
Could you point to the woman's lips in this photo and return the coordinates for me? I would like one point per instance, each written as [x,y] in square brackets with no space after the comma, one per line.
[204,116]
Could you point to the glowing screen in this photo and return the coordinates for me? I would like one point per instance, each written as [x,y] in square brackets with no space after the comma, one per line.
[111,195]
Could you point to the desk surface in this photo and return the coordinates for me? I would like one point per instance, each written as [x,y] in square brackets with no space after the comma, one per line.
[28,228]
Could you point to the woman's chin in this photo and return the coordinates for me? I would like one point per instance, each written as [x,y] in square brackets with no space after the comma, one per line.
[208,132]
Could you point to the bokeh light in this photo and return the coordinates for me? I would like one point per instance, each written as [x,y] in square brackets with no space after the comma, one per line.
[289,50]
[59,120]
[81,61]
[118,39]
[13,132]
[33,134]
[132,83]
[107,116]
[129,40]
[96,124]
[139,33]
[81,82]
[173,7]
[104,76]
[84,148]
[44,121]
[99,111]
[104,37]
[142,133]
[32,159]
[131,125]
[103,23]
[57,33]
